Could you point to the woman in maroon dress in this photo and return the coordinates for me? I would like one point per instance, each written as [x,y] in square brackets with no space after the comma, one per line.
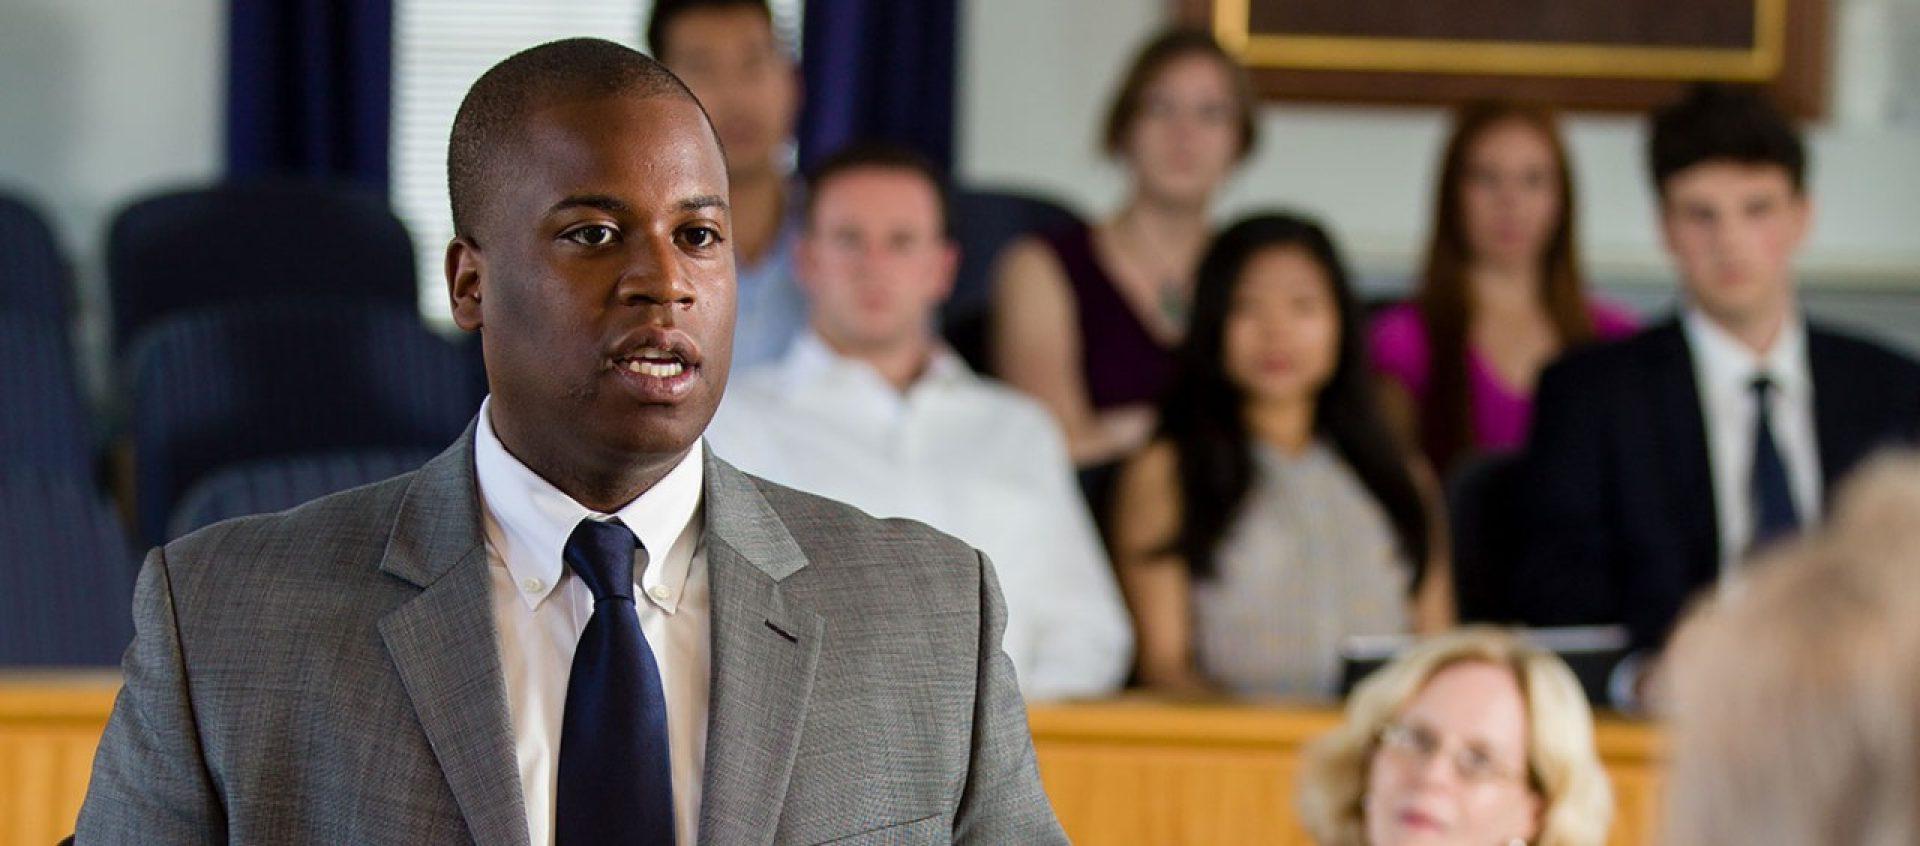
[1085,318]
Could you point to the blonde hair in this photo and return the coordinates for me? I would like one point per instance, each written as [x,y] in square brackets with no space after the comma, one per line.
[1576,801]
[1795,706]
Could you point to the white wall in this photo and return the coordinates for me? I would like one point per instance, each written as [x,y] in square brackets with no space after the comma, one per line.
[101,101]
[1035,78]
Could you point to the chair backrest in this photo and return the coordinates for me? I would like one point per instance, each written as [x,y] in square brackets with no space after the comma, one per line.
[231,384]
[43,423]
[66,573]
[277,484]
[1482,504]
[984,222]
[33,276]
[253,242]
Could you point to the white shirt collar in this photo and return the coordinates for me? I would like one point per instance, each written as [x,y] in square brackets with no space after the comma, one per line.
[532,519]
[810,363]
[1728,366]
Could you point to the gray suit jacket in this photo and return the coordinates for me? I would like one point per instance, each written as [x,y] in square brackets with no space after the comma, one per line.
[329,675]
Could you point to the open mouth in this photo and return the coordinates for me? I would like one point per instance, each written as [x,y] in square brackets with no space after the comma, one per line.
[653,361]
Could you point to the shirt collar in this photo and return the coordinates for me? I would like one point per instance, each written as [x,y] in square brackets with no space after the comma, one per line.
[1727,365]
[530,520]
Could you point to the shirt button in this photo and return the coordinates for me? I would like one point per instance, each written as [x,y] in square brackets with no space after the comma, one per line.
[532,585]
[660,592]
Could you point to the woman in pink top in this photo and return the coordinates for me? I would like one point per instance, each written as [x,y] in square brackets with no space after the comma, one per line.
[1501,294]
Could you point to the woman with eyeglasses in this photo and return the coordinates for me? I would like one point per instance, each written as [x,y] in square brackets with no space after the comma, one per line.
[1086,317]
[1472,738]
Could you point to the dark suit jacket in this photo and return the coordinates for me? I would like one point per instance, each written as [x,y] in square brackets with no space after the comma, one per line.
[1620,522]
[330,675]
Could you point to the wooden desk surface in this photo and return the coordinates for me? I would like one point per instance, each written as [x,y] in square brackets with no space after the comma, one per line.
[1133,770]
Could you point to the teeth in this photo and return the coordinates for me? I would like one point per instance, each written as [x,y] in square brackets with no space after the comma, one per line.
[660,370]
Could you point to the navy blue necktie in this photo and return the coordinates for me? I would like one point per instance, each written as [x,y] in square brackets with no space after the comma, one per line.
[616,780]
[1773,511]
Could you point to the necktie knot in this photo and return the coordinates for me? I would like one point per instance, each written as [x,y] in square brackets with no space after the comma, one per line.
[601,555]
[1762,387]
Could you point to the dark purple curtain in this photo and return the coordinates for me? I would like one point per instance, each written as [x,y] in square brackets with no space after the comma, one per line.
[309,87]
[879,70]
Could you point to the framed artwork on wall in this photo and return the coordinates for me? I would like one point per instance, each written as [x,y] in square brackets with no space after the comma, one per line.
[1590,54]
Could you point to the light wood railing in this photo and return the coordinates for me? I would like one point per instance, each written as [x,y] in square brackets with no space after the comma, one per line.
[1139,770]
[1128,771]
[49,726]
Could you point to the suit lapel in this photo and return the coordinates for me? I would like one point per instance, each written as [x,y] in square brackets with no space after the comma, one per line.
[765,649]
[1683,442]
[443,644]
[1832,433]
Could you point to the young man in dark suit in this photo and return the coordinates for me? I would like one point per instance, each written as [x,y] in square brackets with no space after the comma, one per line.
[1659,462]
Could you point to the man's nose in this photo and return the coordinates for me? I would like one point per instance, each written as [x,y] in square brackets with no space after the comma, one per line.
[656,278]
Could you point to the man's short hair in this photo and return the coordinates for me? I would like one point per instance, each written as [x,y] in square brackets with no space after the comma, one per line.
[665,11]
[495,110]
[878,156]
[1723,123]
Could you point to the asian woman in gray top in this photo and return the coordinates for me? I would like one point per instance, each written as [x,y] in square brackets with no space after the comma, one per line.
[1273,515]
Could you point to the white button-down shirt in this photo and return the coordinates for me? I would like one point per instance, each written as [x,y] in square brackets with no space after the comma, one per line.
[966,456]
[1723,372]
[540,609]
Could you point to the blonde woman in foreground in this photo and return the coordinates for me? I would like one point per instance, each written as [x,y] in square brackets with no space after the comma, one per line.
[1472,738]
[1794,697]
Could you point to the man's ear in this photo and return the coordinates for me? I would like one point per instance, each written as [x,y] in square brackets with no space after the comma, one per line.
[949,267]
[466,269]
[1803,211]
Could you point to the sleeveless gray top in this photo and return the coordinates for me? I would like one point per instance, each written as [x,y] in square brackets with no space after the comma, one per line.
[1310,560]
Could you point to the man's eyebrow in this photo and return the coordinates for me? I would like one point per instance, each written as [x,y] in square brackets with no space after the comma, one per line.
[702,202]
[602,202]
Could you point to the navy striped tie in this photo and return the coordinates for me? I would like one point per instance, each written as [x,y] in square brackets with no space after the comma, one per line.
[616,779]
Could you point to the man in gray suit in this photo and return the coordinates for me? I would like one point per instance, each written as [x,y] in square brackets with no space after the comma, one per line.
[475,651]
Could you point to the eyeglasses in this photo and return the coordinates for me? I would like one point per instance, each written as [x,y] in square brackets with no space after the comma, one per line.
[1419,744]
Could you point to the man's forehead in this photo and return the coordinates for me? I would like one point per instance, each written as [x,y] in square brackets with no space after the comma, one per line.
[616,153]
[879,195]
[700,32]
[660,126]
[1730,178]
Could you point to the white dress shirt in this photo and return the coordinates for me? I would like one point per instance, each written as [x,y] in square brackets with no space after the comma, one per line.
[965,456]
[1723,372]
[540,609]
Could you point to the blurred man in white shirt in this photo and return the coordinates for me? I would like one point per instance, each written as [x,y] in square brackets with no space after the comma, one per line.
[869,407]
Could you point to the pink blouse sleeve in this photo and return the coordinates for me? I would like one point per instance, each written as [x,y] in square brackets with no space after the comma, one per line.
[1397,341]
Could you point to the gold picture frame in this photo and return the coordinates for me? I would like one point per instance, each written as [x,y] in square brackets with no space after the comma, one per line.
[1758,63]
[1785,54]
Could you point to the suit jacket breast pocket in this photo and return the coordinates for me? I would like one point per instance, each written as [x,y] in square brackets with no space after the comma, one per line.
[926,831]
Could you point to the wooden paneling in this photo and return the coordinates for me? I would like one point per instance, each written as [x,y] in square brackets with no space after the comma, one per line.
[49,726]
[1141,771]
[1123,772]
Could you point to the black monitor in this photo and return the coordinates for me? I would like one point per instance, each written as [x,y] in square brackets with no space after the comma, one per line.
[1590,651]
